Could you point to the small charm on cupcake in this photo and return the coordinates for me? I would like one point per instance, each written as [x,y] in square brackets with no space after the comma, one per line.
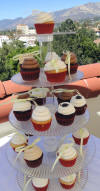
[40,184]
[73,61]
[55,70]
[30,69]
[44,23]
[41,118]
[33,156]
[18,140]
[22,110]
[79,102]
[68,182]
[81,134]
[65,114]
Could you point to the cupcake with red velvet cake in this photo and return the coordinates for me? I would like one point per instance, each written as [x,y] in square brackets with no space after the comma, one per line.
[55,70]
[79,103]
[65,114]
[40,184]
[68,182]
[30,69]
[73,61]
[81,134]
[33,156]
[22,110]
[41,118]
[18,140]
[68,155]
[44,23]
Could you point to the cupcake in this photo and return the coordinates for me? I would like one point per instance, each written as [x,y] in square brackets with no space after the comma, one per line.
[55,71]
[68,155]
[23,96]
[79,134]
[65,114]
[18,140]
[33,156]
[44,23]
[65,96]
[51,56]
[22,110]
[41,118]
[68,182]
[30,69]
[39,94]
[73,62]
[79,103]
[40,184]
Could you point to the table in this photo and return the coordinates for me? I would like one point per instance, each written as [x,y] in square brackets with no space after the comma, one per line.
[8,180]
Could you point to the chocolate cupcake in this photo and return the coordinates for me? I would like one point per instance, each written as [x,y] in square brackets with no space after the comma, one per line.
[65,96]
[65,114]
[22,110]
[73,62]
[79,103]
[33,156]
[30,69]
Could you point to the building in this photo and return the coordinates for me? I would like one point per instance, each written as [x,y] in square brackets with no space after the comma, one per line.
[24,29]
[4,38]
[29,40]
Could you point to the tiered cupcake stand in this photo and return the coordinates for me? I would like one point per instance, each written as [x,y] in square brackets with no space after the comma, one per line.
[52,138]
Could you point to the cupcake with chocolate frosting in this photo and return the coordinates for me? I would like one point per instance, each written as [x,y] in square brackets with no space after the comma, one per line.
[65,96]
[40,184]
[41,118]
[33,156]
[82,133]
[22,110]
[65,114]
[30,69]
[68,182]
[79,103]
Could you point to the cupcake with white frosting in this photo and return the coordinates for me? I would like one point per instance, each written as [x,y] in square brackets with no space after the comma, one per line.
[65,114]
[55,70]
[82,133]
[18,140]
[68,155]
[44,23]
[79,102]
[22,110]
[33,156]
[68,182]
[40,184]
[41,118]
[50,56]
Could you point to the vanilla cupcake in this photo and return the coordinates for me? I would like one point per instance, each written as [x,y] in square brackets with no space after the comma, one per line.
[39,94]
[44,23]
[51,56]
[33,156]
[65,114]
[81,134]
[40,184]
[79,103]
[18,140]
[68,182]
[41,118]
[55,70]
[22,110]
[68,155]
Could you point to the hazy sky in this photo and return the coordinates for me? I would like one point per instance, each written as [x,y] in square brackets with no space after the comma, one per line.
[22,8]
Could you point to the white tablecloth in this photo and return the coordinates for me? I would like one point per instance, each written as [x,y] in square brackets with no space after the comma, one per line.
[8,173]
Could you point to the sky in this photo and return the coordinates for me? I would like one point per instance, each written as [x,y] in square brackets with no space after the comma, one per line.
[12,9]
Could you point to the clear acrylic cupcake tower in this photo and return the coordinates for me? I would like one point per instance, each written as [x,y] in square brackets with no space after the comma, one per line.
[54,135]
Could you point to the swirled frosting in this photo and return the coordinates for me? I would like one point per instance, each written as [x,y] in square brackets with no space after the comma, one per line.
[39,92]
[78,101]
[33,153]
[66,108]
[22,106]
[69,178]
[40,182]
[44,17]
[19,139]
[81,133]
[68,153]
[30,63]
[54,65]
[41,113]
[50,56]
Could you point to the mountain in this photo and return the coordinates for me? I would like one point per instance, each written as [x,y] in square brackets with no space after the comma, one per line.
[86,11]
